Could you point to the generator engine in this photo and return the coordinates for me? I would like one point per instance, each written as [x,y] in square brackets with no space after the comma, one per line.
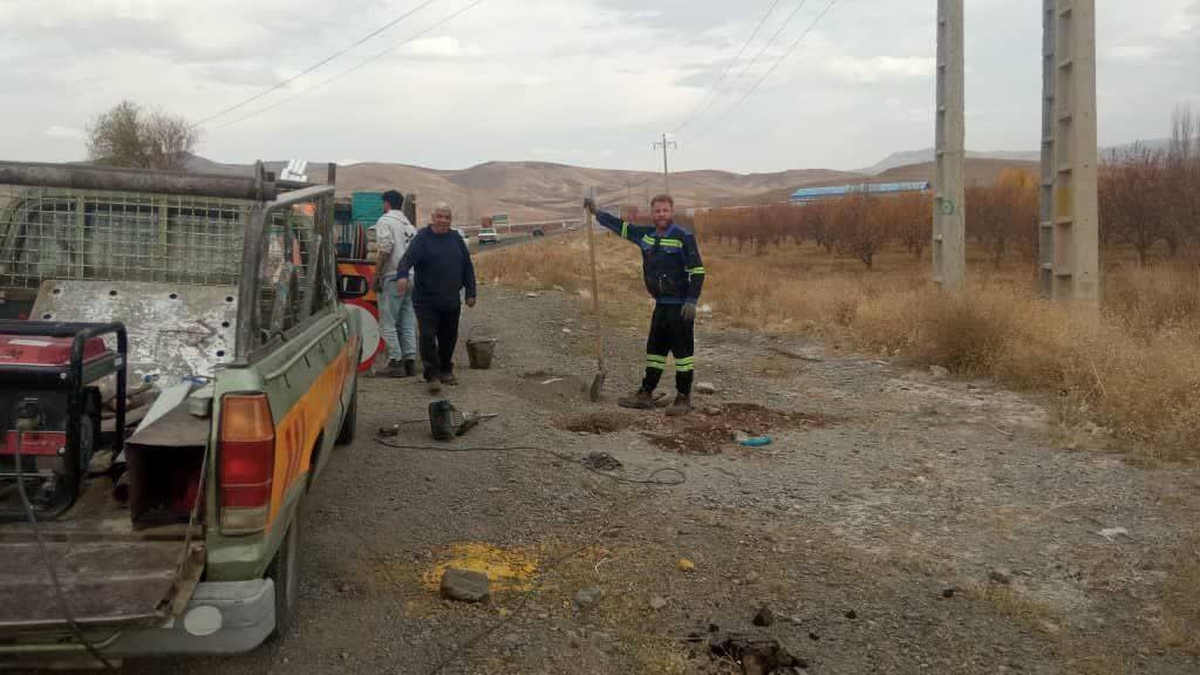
[50,410]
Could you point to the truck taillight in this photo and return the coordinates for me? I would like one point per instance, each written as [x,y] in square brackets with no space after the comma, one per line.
[246,455]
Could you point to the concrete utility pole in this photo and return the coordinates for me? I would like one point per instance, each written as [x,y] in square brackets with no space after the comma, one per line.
[664,144]
[1074,256]
[949,231]
[1046,191]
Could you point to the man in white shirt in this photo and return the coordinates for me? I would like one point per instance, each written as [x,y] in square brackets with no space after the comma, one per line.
[397,321]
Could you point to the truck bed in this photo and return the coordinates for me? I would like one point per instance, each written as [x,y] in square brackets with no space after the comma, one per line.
[111,574]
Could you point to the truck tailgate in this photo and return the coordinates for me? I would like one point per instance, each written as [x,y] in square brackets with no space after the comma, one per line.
[105,583]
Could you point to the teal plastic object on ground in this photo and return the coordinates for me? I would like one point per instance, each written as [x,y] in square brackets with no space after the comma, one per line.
[755,441]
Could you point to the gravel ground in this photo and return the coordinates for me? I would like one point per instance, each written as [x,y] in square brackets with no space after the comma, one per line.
[899,522]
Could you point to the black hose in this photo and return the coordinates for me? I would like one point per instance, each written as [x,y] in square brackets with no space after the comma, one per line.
[651,479]
[50,567]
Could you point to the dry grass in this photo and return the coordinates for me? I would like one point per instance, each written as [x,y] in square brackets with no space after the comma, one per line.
[1179,625]
[1019,607]
[1135,370]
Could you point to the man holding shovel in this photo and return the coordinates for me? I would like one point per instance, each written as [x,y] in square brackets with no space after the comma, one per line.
[674,276]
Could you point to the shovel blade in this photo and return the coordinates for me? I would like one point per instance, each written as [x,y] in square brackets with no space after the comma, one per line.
[597,386]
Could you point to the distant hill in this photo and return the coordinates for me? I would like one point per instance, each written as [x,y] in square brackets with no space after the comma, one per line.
[924,155]
[531,191]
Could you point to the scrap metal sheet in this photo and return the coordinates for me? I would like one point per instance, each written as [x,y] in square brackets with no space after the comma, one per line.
[176,332]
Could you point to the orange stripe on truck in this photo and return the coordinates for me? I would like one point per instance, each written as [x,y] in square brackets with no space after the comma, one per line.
[296,434]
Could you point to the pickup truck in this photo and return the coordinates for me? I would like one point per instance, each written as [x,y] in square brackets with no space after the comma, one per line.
[487,235]
[172,525]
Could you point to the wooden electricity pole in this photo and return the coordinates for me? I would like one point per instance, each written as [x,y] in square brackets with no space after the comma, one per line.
[1073,259]
[665,144]
[949,231]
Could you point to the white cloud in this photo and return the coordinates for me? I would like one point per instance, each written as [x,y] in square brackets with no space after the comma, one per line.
[441,47]
[876,68]
[590,81]
[61,132]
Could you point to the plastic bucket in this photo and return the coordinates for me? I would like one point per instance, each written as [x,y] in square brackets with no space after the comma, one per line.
[480,352]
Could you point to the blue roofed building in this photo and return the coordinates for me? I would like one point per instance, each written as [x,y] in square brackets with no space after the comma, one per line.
[813,194]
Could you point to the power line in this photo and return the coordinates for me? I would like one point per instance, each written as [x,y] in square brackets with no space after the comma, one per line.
[778,31]
[767,74]
[316,65]
[351,69]
[696,112]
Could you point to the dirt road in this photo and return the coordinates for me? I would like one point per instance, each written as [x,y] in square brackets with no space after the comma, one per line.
[899,523]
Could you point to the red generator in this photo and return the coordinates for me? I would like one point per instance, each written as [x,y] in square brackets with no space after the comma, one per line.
[50,410]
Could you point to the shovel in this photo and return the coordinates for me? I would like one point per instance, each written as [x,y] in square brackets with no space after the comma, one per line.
[598,378]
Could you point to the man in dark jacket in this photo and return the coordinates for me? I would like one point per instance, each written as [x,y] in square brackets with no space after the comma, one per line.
[674,276]
[444,270]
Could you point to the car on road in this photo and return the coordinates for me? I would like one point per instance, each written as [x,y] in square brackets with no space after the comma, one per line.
[185,538]
[487,235]
[538,232]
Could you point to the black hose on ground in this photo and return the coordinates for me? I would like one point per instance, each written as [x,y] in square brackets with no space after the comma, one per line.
[652,479]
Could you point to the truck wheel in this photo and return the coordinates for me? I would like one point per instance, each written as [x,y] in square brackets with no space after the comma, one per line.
[350,421]
[284,571]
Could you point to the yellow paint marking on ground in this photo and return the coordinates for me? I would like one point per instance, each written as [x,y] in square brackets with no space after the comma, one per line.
[507,570]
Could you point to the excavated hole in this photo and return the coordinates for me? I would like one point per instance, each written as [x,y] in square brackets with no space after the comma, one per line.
[700,433]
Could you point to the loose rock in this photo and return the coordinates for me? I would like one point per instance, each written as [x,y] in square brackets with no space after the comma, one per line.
[465,585]
[939,372]
[1000,576]
[587,597]
[706,388]
[657,603]
[765,617]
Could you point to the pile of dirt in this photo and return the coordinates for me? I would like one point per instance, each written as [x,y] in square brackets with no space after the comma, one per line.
[707,432]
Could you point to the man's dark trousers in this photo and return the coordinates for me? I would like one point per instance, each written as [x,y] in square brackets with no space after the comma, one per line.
[439,337]
[670,334]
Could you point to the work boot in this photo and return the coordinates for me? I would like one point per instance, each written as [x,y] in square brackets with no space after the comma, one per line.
[410,368]
[681,406]
[435,386]
[642,400]
[394,369]
[449,380]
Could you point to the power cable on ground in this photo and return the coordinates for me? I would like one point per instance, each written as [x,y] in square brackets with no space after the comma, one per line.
[316,65]
[767,74]
[59,597]
[651,479]
[351,69]
[496,625]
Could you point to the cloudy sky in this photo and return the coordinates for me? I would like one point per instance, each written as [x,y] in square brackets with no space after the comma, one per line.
[589,82]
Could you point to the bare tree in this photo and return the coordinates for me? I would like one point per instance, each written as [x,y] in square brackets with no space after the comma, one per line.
[128,136]
[860,232]
[1182,180]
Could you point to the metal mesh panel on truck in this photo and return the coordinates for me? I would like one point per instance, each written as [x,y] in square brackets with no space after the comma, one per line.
[52,233]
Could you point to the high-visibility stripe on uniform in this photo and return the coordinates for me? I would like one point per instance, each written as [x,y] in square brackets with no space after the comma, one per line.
[656,362]
[695,270]
[685,365]
[665,243]
[624,229]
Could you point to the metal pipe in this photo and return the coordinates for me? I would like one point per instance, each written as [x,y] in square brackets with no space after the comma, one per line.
[137,180]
